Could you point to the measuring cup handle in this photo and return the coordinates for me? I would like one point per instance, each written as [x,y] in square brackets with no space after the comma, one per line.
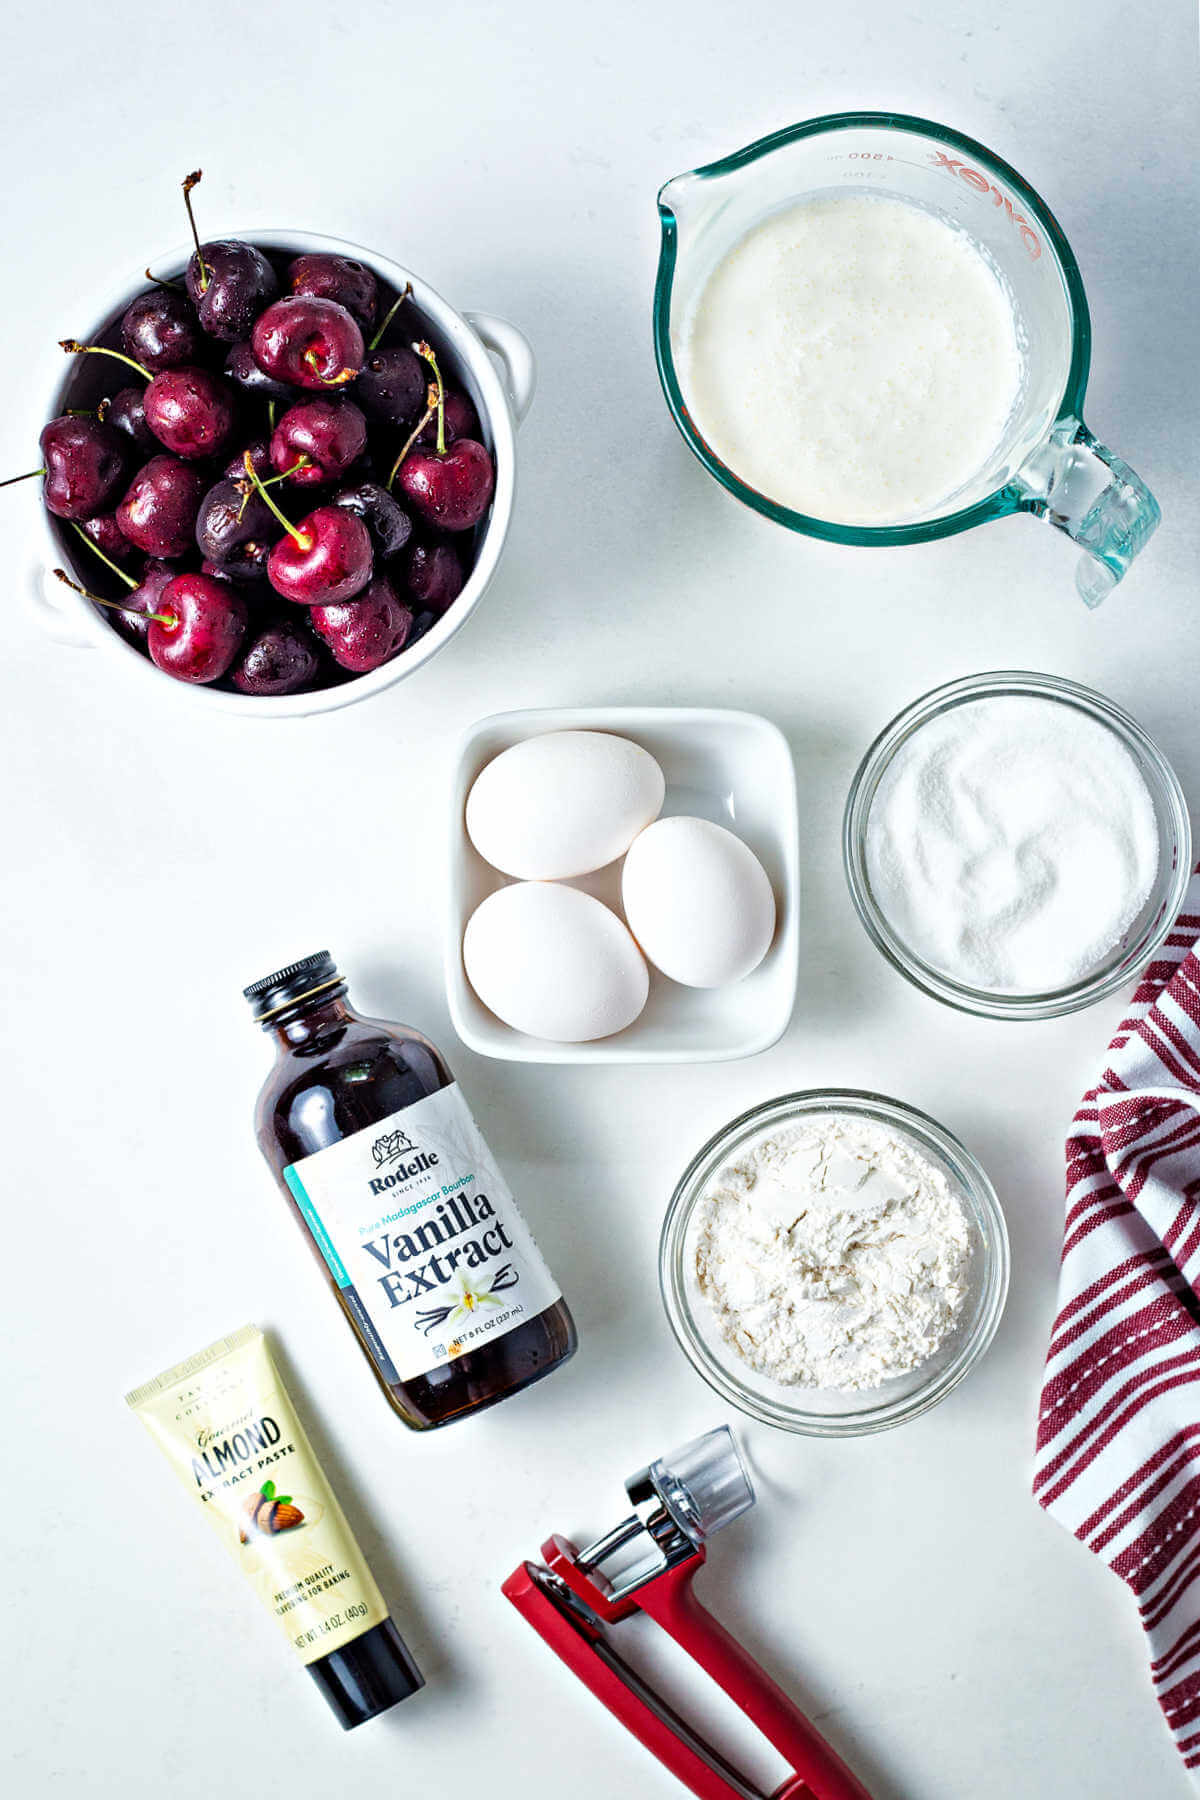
[819,1772]
[1078,484]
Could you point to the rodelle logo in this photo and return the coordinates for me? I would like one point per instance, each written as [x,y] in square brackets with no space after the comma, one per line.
[974,178]
[392,1144]
[390,1151]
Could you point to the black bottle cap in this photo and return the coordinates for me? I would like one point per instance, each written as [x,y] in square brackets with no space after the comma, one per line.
[274,993]
[367,1675]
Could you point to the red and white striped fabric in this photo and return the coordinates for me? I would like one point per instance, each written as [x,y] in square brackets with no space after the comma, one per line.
[1118,1443]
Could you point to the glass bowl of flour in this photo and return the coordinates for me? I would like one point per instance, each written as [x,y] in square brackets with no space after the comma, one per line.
[1016,845]
[834,1262]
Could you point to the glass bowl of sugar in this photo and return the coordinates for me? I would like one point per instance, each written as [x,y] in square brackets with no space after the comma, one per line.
[1016,845]
[834,1262]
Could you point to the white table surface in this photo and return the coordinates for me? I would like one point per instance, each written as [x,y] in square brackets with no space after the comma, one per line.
[951,1639]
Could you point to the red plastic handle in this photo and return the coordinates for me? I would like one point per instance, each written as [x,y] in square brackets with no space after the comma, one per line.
[819,1773]
[671,1601]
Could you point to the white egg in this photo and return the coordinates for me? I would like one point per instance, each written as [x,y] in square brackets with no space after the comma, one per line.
[698,902]
[554,963]
[563,804]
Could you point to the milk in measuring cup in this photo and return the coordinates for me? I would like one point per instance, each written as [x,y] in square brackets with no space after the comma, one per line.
[853,357]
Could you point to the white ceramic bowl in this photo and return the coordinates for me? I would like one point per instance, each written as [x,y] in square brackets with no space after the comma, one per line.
[463,339]
[732,767]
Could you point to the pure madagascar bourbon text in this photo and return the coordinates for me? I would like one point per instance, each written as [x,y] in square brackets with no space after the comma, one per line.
[403,1204]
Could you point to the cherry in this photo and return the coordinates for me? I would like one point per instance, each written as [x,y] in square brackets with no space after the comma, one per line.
[83,461]
[282,659]
[259,452]
[340,278]
[104,534]
[131,617]
[310,342]
[327,557]
[364,633]
[318,440]
[158,514]
[228,282]
[436,575]
[235,529]
[197,629]
[190,412]
[461,420]
[389,525]
[451,489]
[161,330]
[127,412]
[245,373]
[393,387]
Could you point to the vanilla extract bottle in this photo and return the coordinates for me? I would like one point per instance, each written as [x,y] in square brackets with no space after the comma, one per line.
[402,1203]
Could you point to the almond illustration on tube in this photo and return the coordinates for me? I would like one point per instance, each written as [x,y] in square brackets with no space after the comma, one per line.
[268,1513]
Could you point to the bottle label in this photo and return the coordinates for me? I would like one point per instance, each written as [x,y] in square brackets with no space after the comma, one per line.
[422,1235]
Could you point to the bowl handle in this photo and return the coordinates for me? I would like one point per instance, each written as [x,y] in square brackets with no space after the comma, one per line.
[515,353]
[52,610]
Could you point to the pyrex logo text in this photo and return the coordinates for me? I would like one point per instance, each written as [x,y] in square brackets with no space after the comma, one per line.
[981,184]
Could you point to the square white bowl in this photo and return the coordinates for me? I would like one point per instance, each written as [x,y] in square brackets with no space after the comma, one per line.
[734,768]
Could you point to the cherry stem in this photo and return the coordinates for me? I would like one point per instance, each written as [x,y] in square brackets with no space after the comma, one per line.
[392,310]
[305,543]
[271,415]
[107,560]
[73,347]
[426,350]
[158,281]
[115,605]
[302,462]
[338,380]
[413,435]
[189,183]
[27,476]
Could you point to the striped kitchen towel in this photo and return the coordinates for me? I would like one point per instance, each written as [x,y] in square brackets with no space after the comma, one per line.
[1118,1443]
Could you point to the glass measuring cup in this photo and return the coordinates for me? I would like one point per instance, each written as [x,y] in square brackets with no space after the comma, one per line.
[1047,462]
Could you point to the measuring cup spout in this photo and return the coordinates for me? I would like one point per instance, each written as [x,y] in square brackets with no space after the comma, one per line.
[1082,487]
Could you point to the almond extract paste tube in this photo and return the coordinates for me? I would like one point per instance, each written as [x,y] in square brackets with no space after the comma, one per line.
[224,1420]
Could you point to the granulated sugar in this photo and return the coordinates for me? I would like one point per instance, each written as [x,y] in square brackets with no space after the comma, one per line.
[1011,844]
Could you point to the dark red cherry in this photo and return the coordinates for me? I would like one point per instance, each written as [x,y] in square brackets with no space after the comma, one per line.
[393,387]
[310,342]
[126,411]
[389,525]
[461,420]
[104,533]
[85,466]
[207,624]
[452,491]
[281,659]
[160,329]
[436,576]
[365,632]
[234,285]
[328,559]
[323,436]
[143,600]
[340,278]
[190,412]
[259,452]
[245,373]
[235,529]
[158,513]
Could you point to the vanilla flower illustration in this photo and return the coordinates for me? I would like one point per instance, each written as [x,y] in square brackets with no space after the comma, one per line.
[468,1298]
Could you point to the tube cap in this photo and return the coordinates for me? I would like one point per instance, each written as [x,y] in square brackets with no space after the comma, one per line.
[367,1675]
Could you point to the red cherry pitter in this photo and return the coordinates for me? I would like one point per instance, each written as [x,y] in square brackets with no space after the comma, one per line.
[647,1564]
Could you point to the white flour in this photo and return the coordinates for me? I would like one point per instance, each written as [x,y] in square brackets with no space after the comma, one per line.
[833,1255]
